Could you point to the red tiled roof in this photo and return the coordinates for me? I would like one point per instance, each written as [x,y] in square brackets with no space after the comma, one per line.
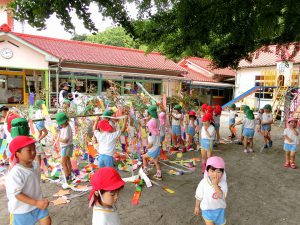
[266,59]
[196,76]
[85,52]
[207,64]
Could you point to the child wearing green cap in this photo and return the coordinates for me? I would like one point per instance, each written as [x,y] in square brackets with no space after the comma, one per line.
[266,121]
[232,116]
[65,138]
[176,129]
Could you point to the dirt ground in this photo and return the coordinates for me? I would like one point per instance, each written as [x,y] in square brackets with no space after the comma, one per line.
[261,192]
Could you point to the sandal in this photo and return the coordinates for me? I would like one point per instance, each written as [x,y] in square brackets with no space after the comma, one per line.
[293,165]
[157,177]
[287,164]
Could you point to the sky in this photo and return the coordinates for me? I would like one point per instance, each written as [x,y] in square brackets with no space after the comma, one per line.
[56,30]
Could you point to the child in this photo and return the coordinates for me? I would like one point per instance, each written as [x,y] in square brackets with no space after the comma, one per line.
[211,192]
[191,131]
[266,121]
[291,140]
[40,126]
[217,118]
[245,108]
[162,126]
[25,201]
[107,138]
[207,137]
[65,138]
[153,148]
[176,129]
[248,130]
[106,186]
[232,115]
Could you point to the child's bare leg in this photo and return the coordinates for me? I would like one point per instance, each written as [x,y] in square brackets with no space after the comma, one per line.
[292,156]
[218,134]
[145,160]
[46,221]
[209,223]
[287,156]
[65,166]
[174,140]
[251,143]
[209,154]
[69,165]
[204,158]
[156,163]
[245,142]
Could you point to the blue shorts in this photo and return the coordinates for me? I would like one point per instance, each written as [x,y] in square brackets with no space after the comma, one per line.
[266,127]
[162,138]
[207,144]
[191,131]
[248,132]
[217,216]
[154,154]
[40,125]
[105,161]
[231,121]
[176,130]
[217,126]
[30,218]
[289,147]
[67,151]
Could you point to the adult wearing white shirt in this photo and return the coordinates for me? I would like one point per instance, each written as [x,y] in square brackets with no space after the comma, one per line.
[63,94]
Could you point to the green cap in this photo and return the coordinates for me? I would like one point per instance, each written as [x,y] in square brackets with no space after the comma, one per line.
[152,110]
[87,109]
[232,106]
[19,126]
[61,118]
[249,114]
[108,112]
[38,103]
[245,108]
[268,106]
[67,101]
[177,107]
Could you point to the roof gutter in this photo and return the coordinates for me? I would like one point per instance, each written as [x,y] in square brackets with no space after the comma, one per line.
[211,84]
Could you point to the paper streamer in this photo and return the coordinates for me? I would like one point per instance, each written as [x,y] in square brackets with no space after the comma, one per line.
[146,92]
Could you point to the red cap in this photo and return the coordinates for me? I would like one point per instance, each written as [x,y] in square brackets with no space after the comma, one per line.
[210,109]
[204,107]
[107,179]
[192,113]
[218,110]
[207,117]
[105,126]
[19,142]
[9,119]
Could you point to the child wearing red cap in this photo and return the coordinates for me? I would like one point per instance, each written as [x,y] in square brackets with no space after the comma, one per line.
[207,138]
[291,140]
[211,193]
[191,130]
[107,138]
[106,186]
[25,200]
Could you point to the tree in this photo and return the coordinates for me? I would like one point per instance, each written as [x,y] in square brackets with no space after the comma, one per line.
[116,36]
[227,30]
[79,37]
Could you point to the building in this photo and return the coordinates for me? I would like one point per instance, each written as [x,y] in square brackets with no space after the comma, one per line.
[30,62]
[212,85]
[265,74]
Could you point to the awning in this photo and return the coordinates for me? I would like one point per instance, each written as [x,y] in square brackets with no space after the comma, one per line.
[212,84]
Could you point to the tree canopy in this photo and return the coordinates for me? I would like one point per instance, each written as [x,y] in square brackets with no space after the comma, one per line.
[226,30]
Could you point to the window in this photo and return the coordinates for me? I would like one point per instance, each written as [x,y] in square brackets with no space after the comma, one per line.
[11,89]
[263,92]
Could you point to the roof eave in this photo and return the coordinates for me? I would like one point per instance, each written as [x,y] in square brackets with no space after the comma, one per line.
[48,57]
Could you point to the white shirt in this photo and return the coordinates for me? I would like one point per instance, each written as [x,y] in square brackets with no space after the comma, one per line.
[295,139]
[232,114]
[105,216]
[211,130]
[205,193]
[249,123]
[162,130]
[61,97]
[39,114]
[176,122]
[266,117]
[26,181]
[66,132]
[106,141]
[155,141]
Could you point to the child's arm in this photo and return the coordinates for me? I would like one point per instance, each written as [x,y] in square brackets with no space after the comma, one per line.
[149,145]
[287,138]
[95,124]
[295,131]
[197,207]
[44,134]
[41,203]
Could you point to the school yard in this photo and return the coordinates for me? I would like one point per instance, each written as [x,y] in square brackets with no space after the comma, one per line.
[261,192]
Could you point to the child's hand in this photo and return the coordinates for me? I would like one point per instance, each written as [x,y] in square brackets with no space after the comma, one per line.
[42,204]
[197,211]
[216,179]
